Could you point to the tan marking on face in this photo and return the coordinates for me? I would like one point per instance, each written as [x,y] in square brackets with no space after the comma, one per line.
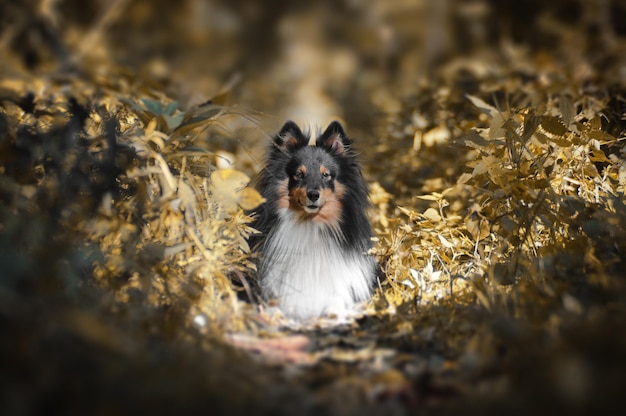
[297,199]
[323,169]
[340,190]
[330,212]
[283,194]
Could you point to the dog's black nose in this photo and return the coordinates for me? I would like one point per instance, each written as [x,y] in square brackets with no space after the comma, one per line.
[313,195]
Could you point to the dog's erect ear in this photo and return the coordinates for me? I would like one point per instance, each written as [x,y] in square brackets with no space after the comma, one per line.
[290,137]
[334,139]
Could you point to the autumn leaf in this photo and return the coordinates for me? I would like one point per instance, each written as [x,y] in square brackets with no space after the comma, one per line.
[228,186]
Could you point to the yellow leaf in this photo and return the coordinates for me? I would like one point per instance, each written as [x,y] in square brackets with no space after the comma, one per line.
[568,110]
[482,106]
[230,177]
[152,124]
[428,197]
[464,178]
[479,169]
[598,156]
[226,185]
[249,198]
[224,159]
[436,135]
[406,211]
[432,215]
[601,136]
[478,227]
[157,139]
[445,242]
[384,221]
[553,125]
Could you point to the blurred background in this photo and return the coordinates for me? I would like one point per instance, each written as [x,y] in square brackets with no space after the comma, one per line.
[398,74]
[310,61]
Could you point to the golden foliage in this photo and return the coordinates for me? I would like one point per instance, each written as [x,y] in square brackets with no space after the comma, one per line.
[169,226]
[538,201]
[494,132]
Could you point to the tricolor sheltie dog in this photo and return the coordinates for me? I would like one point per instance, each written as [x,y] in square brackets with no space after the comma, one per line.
[315,233]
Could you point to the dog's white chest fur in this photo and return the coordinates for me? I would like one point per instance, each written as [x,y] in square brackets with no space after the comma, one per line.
[309,273]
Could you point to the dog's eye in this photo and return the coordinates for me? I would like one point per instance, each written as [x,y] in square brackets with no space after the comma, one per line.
[327,176]
[298,175]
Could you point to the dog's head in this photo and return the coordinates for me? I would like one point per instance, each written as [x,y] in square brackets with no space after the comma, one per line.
[313,186]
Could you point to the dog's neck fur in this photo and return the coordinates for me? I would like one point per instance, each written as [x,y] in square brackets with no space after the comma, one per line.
[305,266]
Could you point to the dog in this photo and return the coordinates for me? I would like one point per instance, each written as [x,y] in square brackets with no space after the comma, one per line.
[314,230]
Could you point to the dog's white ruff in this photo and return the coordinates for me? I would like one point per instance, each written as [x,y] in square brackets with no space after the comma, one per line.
[309,273]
